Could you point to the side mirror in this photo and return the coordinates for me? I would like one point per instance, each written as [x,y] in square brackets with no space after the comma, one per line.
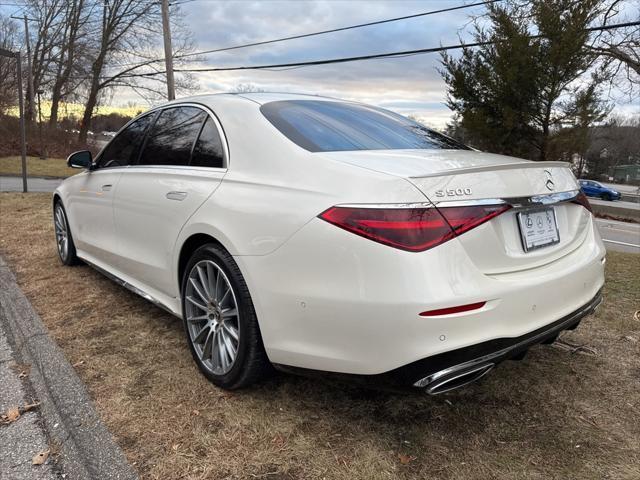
[81,159]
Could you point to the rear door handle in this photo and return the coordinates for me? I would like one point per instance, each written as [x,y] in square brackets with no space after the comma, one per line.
[107,187]
[176,196]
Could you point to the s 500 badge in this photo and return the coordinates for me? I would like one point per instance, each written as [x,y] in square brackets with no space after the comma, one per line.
[453,192]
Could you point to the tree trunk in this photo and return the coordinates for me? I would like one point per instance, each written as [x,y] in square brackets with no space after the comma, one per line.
[544,144]
[53,118]
[92,100]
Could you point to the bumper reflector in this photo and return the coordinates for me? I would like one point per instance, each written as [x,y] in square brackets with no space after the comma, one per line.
[450,310]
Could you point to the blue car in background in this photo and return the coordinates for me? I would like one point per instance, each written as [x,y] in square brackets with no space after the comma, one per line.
[595,189]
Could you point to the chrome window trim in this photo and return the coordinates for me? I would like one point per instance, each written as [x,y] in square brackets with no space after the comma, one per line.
[214,117]
[94,163]
[205,108]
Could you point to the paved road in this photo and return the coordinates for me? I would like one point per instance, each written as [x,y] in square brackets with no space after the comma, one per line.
[34,184]
[23,438]
[617,203]
[620,236]
[84,448]
[623,188]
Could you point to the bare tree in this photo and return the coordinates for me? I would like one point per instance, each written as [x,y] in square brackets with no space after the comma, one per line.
[619,49]
[74,38]
[8,77]
[124,46]
[46,37]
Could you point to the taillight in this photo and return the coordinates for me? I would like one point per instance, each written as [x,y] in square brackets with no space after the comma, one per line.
[463,219]
[582,199]
[414,229]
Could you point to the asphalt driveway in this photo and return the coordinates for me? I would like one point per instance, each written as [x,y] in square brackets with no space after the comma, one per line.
[34,184]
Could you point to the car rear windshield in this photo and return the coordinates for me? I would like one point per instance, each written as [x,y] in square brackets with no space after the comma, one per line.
[326,126]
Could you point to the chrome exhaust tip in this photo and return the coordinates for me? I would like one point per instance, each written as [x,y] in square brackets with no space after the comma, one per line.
[451,379]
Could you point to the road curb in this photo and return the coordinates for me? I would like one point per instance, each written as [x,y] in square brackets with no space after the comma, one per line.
[86,448]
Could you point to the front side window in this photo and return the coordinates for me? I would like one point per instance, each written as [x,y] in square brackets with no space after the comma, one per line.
[124,148]
[327,126]
[172,136]
[208,151]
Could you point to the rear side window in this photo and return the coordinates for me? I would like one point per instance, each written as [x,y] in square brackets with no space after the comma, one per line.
[322,126]
[124,148]
[208,151]
[172,136]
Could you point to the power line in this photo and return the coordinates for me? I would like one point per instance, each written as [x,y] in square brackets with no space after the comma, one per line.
[340,29]
[322,32]
[365,57]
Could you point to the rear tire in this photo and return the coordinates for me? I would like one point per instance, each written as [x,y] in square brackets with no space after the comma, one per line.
[220,322]
[64,240]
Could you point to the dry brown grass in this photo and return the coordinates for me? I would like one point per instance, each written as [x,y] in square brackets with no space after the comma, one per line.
[553,415]
[51,167]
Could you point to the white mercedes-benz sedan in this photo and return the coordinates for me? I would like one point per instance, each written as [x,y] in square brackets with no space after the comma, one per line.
[319,235]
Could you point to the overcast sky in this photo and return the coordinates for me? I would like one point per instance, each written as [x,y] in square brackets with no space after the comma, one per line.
[410,85]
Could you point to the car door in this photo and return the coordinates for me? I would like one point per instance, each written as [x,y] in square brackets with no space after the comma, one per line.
[588,188]
[91,199]
[182,163]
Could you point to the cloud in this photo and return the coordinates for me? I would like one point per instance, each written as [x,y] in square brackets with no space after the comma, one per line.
[408,85]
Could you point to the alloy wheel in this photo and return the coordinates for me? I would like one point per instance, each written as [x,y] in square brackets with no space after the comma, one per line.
[62,235]
[212,317]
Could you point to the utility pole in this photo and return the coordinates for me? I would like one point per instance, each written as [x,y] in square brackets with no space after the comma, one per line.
[23,130]
[168,52]
[23,134]
[30,85]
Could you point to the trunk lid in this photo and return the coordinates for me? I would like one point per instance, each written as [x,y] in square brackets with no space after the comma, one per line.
[447,177]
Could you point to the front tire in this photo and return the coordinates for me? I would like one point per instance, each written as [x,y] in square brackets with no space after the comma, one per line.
[64,239]
[220,322]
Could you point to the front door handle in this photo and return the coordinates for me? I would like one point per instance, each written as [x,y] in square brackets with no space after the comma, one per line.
[107,187]
[176,196]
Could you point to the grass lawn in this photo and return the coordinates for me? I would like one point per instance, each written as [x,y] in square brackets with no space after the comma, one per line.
[51,167]
[560,413]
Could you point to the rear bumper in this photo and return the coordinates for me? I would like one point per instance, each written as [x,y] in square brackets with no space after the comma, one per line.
[332,301]
[456,368]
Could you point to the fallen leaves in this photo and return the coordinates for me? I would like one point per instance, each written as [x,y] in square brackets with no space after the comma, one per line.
[574,348]
[405,459]
[14,413]
[23,369]
[40,458]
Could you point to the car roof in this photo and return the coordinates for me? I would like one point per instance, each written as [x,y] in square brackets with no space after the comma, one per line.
[257,97]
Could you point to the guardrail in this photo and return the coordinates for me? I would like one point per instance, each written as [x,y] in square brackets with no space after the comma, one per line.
[630,197]
[614,210]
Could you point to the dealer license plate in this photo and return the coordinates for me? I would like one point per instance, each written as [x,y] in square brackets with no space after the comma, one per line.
[538,228]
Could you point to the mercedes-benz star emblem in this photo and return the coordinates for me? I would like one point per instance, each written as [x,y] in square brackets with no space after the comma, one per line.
[550,185]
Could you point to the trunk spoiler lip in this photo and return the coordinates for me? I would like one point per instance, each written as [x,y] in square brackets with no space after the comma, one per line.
[489,168]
